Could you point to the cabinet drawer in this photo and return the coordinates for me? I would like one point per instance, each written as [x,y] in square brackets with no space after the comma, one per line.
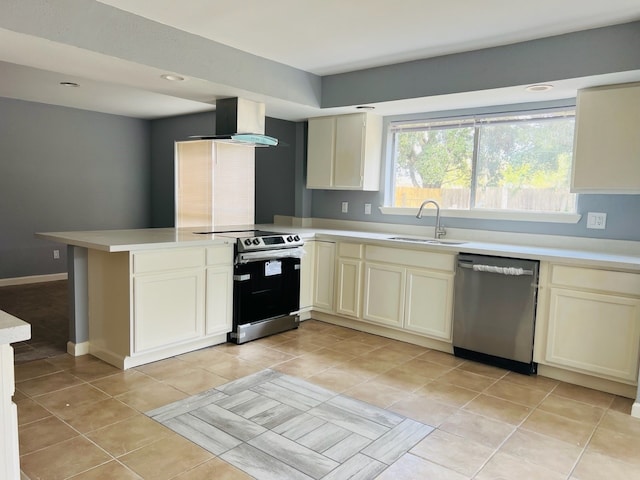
[220,255]
[351,250]
[160,260]
[602,280]
[414,258]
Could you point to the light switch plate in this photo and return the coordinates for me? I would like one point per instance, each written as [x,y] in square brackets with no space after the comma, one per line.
[597,220]
[345,207]
[367,209]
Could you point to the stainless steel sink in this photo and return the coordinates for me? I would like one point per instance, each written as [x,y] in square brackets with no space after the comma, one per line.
[430,241]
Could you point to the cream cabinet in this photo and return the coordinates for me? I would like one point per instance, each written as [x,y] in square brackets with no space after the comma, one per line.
[307,263]
[428,303]
[592,320]
[606,153]
[409,289]
[324,266]
[168,308]
[219,290]
[384,293]
[168,297]
[149,305]
[344,152]
[349,279]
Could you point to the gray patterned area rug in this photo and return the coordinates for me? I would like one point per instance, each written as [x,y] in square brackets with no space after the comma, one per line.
[274,427]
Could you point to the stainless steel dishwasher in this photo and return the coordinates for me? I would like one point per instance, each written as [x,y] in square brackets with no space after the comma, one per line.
[494,310]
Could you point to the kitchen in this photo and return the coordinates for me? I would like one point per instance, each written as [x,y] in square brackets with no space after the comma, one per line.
[90,170]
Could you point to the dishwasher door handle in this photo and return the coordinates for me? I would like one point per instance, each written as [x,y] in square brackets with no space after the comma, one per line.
[510,271]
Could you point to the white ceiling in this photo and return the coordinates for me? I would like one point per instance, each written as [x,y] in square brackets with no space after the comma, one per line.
[319,36]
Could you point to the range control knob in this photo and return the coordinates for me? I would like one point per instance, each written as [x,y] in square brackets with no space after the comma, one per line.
[256,241]
[247,242]
[296,238]
[289,238]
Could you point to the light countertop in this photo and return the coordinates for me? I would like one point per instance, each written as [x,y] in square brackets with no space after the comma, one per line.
[153,238]
[12,329]
[140,239]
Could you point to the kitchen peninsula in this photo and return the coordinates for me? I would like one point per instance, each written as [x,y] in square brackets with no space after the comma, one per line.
[139,282]
[144,295]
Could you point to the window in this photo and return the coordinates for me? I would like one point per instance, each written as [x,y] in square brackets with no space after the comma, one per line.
[520,162]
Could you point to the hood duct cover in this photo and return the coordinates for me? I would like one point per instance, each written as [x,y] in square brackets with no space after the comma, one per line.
[240,121]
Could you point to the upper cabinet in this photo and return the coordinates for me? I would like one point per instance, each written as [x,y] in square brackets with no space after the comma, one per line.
[344,152]
[606,153]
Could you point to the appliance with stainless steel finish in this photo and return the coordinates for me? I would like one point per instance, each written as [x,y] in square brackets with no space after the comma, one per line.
[266,283]
[494,310]
[241,122]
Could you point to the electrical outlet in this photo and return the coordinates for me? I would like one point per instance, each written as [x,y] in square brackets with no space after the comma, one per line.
[56,254]
[597,220]
[367,209]
[345,207]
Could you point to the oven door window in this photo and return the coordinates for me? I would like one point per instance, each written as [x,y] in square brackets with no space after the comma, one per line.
[266,289]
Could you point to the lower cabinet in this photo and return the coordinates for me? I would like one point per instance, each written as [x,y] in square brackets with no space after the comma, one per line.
[349,279]
[168,308]
[323,288]
[593,322]
[154,304]
[307,279]
[219,291]
[384,286]
[397,294]
[429,303]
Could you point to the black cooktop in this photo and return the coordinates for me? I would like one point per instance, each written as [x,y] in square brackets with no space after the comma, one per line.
[241,233]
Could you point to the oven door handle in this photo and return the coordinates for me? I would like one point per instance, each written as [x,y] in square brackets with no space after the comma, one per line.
[247,257]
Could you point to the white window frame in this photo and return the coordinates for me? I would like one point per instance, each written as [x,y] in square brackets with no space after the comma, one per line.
[465,117]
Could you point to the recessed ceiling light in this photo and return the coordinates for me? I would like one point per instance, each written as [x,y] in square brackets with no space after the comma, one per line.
[541,87]
[172,78]
[69,84]
[365,107]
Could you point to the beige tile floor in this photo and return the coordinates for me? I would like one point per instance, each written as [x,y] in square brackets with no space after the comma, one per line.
[82,419]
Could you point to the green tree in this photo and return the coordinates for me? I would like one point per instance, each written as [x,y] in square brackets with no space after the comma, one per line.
[533,153]
[433,158]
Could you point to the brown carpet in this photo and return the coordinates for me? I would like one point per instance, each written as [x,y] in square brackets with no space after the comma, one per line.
[46,307]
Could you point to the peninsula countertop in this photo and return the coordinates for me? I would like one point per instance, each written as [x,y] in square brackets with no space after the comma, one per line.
[12,329]
[154,238]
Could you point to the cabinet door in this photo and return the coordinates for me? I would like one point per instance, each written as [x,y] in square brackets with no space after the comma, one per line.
[168,308]
[325,271]
[606,157]
[307,263]
[594,333]
[429,300]
[384,294]
[349,287]
[320,152]
[219,301]
[349,151]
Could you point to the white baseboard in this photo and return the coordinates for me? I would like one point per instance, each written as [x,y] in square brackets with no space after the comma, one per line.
[635,408]
[52,277]
[77,349]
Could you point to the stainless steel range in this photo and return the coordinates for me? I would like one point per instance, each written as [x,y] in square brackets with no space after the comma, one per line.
[266,283]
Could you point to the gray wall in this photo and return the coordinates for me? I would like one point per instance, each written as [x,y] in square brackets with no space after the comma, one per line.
[275,172]
[623,214]
[66,169]
[589,52]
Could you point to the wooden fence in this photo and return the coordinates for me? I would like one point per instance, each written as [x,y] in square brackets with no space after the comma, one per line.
[501,198]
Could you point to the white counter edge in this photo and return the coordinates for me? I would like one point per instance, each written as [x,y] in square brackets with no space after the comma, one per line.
[12,329]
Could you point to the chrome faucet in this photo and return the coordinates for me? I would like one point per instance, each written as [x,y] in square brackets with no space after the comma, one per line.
[439,229]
